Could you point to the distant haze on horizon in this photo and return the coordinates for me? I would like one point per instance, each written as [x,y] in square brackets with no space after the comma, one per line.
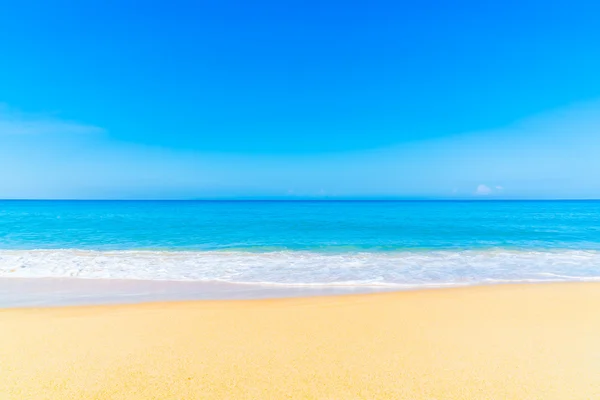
[300,100]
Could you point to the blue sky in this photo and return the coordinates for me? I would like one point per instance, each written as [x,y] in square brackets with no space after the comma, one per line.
[295,99]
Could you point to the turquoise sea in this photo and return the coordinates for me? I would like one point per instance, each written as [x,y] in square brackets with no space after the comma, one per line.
[296,243]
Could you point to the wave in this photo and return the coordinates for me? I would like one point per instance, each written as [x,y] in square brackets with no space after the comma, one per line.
[400,269]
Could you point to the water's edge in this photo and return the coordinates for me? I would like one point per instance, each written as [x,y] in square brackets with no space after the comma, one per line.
[52,292]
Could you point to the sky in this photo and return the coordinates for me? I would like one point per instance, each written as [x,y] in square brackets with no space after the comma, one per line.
[299,99]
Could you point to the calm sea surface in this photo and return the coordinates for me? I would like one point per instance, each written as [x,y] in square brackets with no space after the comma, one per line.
[357,243]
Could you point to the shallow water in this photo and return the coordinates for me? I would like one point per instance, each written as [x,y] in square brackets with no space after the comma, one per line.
[355,244]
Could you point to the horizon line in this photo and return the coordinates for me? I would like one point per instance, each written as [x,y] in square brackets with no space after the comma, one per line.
[317,199]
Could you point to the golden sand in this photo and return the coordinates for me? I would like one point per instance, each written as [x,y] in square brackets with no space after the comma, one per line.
[496,342]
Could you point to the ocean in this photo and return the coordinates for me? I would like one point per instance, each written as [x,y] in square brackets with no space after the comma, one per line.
[391,244]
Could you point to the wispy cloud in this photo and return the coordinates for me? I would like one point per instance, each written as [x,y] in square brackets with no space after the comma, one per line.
[13,122]
[483,190]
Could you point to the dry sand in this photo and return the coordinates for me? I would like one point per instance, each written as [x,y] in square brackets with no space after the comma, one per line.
[496,342]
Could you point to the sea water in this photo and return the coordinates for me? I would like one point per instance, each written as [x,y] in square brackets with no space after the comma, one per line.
[392,244]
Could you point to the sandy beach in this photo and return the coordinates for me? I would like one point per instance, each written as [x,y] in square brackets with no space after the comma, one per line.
[489,342]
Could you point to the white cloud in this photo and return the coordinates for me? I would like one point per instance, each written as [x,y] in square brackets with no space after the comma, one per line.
[483,190]
[499,188]
[13,122]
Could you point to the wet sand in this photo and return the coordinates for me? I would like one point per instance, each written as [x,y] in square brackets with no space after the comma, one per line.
[47,292]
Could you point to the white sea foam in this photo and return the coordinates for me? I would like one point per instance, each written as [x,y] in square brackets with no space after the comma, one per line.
[300,268]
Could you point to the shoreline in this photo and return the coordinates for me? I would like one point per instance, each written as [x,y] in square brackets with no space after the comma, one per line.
[17,292]
[50,292]
[304,272]
[534,341]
